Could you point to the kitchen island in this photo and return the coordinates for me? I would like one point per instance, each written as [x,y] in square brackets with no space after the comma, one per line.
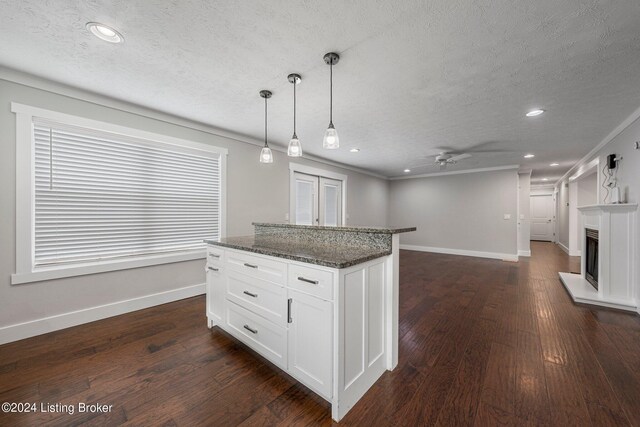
[321,303]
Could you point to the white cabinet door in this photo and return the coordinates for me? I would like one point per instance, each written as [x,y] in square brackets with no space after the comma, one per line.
[309,341]
[215,293]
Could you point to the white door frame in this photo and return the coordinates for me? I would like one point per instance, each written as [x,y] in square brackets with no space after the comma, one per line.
[309,170]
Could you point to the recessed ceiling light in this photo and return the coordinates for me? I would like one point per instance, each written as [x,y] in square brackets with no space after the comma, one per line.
[534,113]
[354,150]
[407,170]
[545,179]
[529,156]
[554,164]
[105,32]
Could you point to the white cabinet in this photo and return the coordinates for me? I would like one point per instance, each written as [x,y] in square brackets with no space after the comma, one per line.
[310,344]
[325,327]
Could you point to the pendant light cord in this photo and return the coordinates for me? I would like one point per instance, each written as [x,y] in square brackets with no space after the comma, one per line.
[265,122]
[331,92]
[294,106]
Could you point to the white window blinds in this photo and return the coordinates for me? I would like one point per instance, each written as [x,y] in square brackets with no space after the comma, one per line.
[102,196]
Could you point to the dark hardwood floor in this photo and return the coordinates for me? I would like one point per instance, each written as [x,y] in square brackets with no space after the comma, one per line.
[483,343]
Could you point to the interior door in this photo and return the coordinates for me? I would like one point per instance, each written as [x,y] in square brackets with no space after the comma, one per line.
[542,217]
[306,199]
[330,202]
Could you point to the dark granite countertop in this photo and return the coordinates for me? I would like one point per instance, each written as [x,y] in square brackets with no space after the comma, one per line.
[334,256]
[362,229]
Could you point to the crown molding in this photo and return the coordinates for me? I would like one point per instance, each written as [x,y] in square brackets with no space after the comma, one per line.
[460,172]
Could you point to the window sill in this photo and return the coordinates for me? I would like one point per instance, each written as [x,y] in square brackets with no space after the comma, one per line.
[59,272]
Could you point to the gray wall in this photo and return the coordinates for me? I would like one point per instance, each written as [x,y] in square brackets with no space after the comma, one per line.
[256,192]
[588,190]
[460,212]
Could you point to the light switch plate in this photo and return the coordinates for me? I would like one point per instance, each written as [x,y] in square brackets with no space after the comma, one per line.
[521,216]
[507,216]
[286,217]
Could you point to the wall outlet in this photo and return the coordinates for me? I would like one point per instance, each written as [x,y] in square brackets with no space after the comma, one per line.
[507,216]
[286,216]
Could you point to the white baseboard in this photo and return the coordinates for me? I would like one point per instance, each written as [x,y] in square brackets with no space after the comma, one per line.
[575,253]
[524,253]
[564,248]
[65,320]
[463,252]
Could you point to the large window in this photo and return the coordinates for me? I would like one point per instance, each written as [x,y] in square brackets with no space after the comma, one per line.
[102,197]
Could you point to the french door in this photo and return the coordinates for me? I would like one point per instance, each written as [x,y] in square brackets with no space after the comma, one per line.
[318,200]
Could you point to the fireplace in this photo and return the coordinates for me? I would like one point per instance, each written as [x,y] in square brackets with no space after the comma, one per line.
[591,257]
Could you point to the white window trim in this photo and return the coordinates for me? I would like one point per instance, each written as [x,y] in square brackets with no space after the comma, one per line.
[25,178]
[310,170]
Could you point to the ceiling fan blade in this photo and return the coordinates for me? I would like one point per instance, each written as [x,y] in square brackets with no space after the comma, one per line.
[459,157]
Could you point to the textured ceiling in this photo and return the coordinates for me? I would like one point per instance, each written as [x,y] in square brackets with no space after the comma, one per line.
[414,75]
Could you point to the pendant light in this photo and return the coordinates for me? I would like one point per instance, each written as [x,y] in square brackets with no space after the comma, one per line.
[266,156]
[331,140]
[295,149]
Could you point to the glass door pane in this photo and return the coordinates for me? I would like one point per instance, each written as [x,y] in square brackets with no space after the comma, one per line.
[306,199]
[330,202]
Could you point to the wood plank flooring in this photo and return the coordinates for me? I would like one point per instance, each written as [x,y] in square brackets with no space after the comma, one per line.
[482,342]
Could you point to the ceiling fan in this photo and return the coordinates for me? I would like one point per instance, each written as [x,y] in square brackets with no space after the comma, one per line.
[443,159]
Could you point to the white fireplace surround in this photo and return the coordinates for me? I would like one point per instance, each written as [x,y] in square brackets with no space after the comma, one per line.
[617,282]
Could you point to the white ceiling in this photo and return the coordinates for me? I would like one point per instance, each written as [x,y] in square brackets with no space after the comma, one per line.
[414,75]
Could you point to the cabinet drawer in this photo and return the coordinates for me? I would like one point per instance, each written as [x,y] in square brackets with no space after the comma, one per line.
[262,268]
[259,296]
[261,335]
[215,256]
[311,281]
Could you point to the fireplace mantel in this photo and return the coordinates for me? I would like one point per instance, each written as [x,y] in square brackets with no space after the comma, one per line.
[618,207]
[616,258]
